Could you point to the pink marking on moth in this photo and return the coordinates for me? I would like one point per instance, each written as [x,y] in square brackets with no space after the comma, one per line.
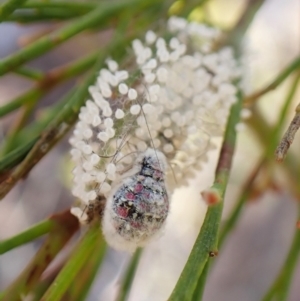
[138,188]
[122,211]
[130,196]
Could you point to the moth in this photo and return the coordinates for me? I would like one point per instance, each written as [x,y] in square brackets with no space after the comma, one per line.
[137,207]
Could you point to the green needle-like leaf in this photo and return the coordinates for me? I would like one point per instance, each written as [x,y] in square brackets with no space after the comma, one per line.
[207,240]
[59,36]
[26,236]
[129,276]
[79,288]
[8,7]
[65,225]
[77,262]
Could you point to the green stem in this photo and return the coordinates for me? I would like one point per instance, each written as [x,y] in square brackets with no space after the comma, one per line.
[28,136]
[199,291]
[236,35]
[31,95]
[59,126]
[293,66]
[190,5]
[246,190]
[17,126]
[64,226]
[30,73]
[40,289]
[236,212]
[16,156]
[71,69]
[26,236]
[79,288]
[71,270]
[281,285]
[207,241]
[8,8]
[129,276]
[59,36]
[68,5]
[42,15]
[49,81]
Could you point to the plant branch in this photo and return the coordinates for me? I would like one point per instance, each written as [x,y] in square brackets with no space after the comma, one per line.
[246,190]
[282,118]
[283,281]
[30,73]
[82,282]
[61,35]
[8,8]
[235,35]
[59,126]
[245,193]
[29,135]
[129,276]
[288,137]
[49,81]
[31,95]
[73,6]
[293,66]
[42,15]
[26,236]
[65,225]
[15,157]
[207,241]
[190,5]
[78,260]
[199,291]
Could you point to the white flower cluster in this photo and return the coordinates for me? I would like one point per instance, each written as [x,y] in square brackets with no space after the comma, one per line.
[180,99]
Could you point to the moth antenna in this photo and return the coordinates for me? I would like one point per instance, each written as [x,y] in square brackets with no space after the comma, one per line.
[147,125]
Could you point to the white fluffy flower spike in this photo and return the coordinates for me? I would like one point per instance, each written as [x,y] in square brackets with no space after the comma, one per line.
[180,100]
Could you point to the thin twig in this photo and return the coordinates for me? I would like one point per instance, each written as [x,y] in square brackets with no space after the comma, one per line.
[262,130]
[288,137]
[293,66]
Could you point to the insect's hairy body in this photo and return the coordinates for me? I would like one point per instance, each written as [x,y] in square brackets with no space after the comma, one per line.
[139,204]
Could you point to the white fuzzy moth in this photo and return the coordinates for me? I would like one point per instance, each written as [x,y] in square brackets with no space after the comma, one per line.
[138,205]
